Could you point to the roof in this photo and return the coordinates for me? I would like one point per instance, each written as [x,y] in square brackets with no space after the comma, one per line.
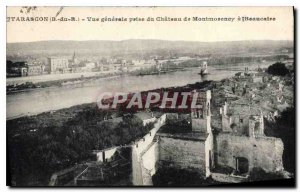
[116,120]
[113,121]
[57,58]
[243,109]
[193,136]
[144,115]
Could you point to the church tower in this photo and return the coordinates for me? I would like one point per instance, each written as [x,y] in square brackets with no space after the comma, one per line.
[73,58]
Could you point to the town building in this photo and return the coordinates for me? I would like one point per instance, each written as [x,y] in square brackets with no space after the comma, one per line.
[145,117]
[35,68]
[58,65]
[138,62]
[242,119]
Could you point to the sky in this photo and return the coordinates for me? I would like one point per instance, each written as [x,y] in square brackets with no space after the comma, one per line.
[207,31]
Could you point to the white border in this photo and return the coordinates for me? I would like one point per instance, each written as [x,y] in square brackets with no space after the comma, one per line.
[112,3]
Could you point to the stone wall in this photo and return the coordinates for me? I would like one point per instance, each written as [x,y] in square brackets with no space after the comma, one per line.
[263,152]
[226,122]
[183,154]
[149,159]
[144,147]
[201,125]
[137,178]
[209,155]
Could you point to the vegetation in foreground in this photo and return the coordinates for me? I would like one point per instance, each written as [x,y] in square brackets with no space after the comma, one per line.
[43,144]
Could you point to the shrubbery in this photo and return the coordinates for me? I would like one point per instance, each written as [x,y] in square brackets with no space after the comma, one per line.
[40,146]
[278,69]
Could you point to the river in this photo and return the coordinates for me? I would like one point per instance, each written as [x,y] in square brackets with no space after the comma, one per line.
[36,101]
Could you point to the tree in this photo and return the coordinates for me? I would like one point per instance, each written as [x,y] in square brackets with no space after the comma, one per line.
[278,69]
[284,128]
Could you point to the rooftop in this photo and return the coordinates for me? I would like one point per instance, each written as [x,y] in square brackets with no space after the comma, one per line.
[194,136]
[144,115]
[243,109]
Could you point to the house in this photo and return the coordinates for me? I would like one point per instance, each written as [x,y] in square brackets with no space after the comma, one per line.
[105,155]
[138,62]
[242,119]
[240,91]
[35,69]
[145,117]
[113,122]
[240,74]
[257,79]
[88,66]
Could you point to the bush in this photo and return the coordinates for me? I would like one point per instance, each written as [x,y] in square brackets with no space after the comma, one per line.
[278,69]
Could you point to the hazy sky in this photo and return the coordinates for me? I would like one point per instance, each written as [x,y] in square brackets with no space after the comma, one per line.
[25,31]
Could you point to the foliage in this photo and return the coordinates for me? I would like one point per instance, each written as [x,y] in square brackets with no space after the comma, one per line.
[42,145]
[284,128]
[278,69]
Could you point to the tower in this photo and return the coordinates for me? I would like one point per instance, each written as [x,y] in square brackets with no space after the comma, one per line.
[201,115]
[201,125]
[73,58]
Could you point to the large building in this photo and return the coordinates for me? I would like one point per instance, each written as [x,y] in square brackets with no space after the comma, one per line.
[58,65]
[35,67]
[35,70]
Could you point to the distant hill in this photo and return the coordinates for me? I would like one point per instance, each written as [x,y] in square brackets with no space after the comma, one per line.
[137,46]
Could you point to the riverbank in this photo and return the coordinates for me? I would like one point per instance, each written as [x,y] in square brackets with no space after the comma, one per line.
[54,77]
[16,85]
[54,81]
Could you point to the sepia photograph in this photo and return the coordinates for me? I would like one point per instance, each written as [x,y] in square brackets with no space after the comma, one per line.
[150,96]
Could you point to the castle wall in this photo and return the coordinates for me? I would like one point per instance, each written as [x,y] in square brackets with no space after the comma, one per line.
[263,152]
[209,155]
[144,142]
[142,147]
[149,159]
[183,154]
[137,178]
[226,122]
